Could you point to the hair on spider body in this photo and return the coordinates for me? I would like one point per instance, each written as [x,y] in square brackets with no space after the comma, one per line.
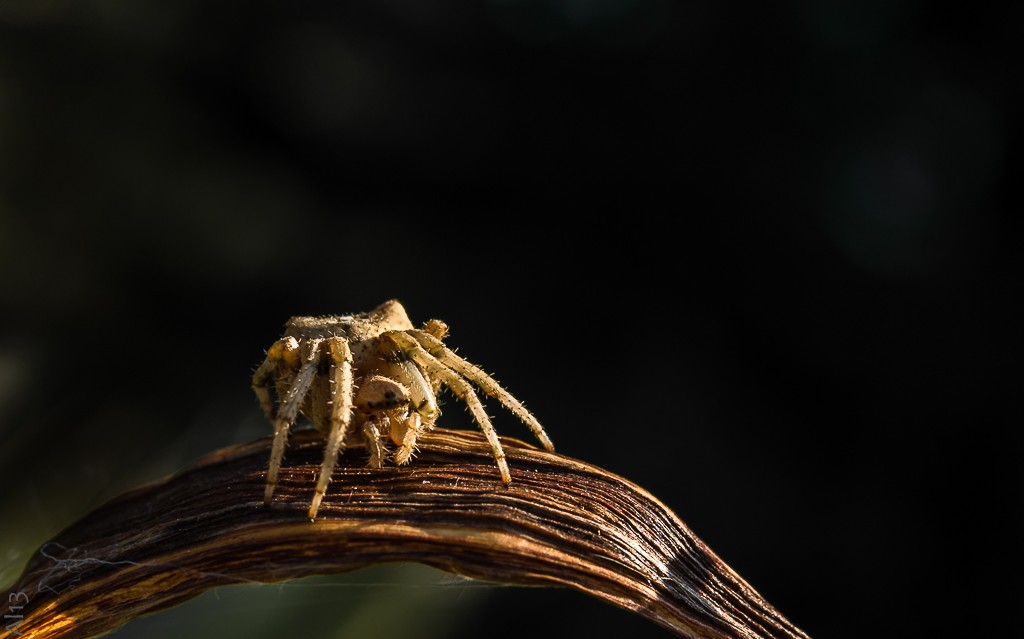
[365,378]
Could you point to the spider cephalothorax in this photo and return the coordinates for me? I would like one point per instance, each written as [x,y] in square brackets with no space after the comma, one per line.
[364,378]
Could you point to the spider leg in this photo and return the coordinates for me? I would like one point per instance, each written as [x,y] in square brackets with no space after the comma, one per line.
[275,355]
[289,409]
[413,427]
[373,431]
[446,356]
[461,388]
[422,415]
[341,414]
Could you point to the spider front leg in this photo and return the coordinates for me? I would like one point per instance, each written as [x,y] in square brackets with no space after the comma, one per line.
[461,388]
[473,373]
[289,408]
[341,400]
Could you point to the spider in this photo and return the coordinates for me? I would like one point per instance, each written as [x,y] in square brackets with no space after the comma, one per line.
[363,378]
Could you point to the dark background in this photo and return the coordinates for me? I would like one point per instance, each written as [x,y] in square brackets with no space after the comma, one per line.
[756,259]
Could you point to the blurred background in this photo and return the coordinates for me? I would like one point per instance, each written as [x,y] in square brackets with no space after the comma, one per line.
[756,259]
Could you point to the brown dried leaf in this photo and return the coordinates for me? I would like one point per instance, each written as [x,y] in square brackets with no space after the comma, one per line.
[560,522]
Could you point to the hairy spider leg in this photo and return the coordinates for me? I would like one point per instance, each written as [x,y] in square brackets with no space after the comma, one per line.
[283,350]
[413,428]
[259,384]
[486,383]
[373,431]
[424,409]
[461,388]
[289,409]
[341,414]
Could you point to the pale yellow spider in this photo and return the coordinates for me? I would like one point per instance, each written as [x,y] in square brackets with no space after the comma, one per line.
[362,378]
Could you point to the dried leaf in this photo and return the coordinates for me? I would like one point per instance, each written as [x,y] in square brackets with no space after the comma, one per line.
[561,522]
